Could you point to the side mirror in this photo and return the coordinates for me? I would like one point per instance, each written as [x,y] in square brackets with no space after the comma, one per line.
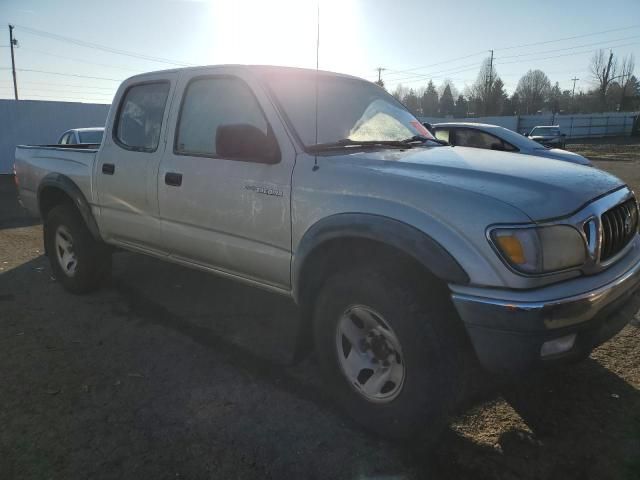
[246,142]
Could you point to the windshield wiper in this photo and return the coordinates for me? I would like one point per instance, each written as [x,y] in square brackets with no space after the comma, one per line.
[348,143]
[422,139]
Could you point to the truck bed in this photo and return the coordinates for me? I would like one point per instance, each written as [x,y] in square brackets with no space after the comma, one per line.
[34,162]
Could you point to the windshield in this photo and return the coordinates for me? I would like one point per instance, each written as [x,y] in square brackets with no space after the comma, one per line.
[517,139]
[348,109]
[91,136]
[545,131]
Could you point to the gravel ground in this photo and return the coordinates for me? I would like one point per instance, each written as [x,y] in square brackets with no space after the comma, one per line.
[172,373]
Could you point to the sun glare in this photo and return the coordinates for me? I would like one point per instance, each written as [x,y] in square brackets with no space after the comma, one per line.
[283,32]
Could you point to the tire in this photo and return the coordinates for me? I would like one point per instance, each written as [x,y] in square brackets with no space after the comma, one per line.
[79,261]
[423,322]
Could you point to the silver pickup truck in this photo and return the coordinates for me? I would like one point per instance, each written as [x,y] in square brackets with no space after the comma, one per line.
[404,254]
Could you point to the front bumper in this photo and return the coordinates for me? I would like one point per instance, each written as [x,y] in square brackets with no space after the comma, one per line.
[508,336]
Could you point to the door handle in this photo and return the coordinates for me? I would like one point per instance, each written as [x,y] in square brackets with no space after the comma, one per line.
[173,179]
[108,168]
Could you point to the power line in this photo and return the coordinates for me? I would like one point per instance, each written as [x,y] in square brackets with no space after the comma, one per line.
[68,98]
[569,38]
[447,71]
[80,60]
[395,72]
[567,48]
[68,85]
[564,55]
[97,94]
[68,74]
[97,46]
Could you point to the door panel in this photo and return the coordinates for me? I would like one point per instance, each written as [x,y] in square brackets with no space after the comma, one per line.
[231,214]
[127,167]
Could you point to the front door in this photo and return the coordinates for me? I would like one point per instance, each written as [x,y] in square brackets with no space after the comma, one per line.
[227,211]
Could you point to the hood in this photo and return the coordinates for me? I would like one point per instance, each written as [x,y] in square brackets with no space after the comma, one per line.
[541,188]
[559,154]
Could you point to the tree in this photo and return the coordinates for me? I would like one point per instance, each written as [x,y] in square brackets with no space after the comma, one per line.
[533,89]
[447,105]
[429,100]
[448,82]
[411,102]
[515,104]
[497,97]
[603,70]
[380,83]
[555,95]
[483,94]
[626,73]
[461,108]
[400,92]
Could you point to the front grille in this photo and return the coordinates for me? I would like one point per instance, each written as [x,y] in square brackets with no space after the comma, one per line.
[619,225]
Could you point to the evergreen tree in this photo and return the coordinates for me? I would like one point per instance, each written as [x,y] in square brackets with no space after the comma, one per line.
[447,105]
[429,101]
[461,108]
[411,102]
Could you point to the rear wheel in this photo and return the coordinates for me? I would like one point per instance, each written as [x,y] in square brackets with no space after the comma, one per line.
[390,351]
[79,261]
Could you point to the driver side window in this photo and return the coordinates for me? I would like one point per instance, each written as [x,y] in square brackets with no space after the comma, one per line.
[469,137]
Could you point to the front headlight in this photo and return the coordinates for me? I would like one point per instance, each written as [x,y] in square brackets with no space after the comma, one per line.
[536,250]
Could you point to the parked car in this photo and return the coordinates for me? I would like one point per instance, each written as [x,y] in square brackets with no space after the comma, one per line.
[548,136]
[405,256]
[493,137]
[80,136]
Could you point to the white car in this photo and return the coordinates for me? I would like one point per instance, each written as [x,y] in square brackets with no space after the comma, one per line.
[82,136]
[493,137]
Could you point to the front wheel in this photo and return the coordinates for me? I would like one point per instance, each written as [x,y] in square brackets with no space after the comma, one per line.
[79,261]
[390,350]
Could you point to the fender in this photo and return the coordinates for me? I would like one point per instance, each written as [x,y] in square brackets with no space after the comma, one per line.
[64,183]
[433,256]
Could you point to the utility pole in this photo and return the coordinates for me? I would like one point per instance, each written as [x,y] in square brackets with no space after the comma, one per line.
[489,84]
[573,93]
[380,70]
[12,43]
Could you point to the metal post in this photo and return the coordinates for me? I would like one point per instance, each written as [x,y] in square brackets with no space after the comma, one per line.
[571,128]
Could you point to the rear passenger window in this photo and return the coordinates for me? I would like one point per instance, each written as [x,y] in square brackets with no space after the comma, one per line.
[213,102]
[140,116]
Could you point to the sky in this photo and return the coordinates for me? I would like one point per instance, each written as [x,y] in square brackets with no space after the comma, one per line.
[81,50]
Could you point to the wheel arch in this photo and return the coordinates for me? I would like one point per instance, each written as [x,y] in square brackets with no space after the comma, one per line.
[386,232]
[55,189]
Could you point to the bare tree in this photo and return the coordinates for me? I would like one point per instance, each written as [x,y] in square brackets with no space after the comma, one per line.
[626,72]
[604,70]
[481,93]
[533,90]
[400,92]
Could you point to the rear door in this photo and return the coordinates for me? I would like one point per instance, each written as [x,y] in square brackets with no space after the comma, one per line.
[229,214]
[127,167]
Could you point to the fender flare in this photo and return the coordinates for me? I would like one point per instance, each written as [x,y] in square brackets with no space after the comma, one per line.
[419,245]
[68,186]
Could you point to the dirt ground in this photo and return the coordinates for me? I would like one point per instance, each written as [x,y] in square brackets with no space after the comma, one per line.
[172,373]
